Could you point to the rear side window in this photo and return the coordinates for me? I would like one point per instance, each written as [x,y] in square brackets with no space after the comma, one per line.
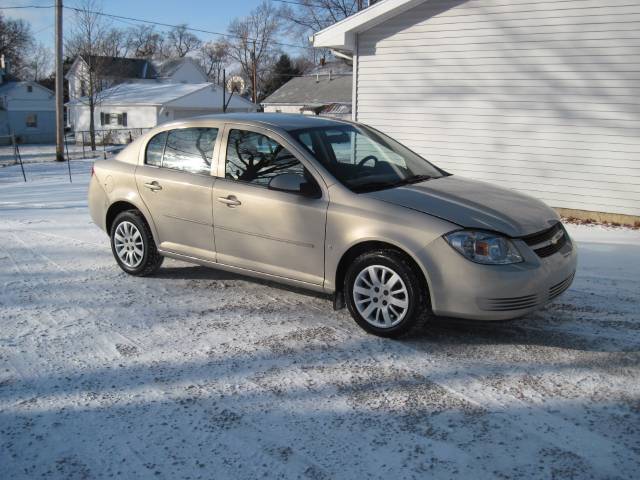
[186,149]
[155,148]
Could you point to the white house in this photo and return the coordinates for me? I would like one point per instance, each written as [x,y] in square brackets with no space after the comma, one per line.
[113,71]
[27,110]
[145,104]
[539,96]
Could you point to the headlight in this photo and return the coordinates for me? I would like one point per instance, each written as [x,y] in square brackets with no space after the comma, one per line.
[484,247]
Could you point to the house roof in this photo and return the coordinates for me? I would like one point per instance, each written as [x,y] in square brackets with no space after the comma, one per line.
[313,90]
[335,67]
[8,86]
[153,92]
[123,67]
[145,93]
[169,67]
[341,35]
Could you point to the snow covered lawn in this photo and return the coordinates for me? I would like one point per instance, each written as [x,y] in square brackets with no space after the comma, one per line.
[196,373]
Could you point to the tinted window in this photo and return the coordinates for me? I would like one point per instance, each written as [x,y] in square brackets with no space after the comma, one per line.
[155,148]
[190,149]
[256,158]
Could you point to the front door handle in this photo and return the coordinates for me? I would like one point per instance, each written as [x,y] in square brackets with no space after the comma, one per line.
[230,201]
[153,186]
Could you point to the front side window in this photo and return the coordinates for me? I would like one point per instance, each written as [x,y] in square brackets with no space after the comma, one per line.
[186,149]
[256,158]
[32,120]
[364,159]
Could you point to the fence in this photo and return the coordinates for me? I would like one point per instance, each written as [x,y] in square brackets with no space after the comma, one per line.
[15,150]
[104,138]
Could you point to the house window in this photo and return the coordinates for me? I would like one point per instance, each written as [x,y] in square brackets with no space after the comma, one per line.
[32,120]
[115,119]
[29,88]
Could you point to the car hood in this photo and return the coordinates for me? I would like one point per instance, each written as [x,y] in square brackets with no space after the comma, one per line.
[473,204]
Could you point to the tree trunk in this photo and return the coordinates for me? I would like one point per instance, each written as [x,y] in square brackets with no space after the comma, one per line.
[92,127]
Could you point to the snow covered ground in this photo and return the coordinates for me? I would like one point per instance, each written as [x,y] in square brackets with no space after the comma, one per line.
[195,373]
[38,153]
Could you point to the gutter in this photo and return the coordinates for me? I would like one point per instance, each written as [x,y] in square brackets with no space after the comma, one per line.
[343,55]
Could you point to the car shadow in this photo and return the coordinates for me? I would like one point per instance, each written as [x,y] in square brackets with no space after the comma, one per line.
[196,272]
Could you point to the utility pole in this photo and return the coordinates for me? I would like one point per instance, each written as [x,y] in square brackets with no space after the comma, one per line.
[224,86]
[59,86]
[254,73]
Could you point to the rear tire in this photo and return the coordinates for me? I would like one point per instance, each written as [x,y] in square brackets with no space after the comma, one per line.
[133,246]
[385,293]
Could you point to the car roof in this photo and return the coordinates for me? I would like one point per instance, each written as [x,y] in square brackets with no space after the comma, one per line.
[284,121]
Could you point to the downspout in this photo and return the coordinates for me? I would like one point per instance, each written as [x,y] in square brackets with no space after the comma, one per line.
[354,76]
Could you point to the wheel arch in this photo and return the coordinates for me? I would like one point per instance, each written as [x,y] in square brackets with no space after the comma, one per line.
[371,245]
[123,205]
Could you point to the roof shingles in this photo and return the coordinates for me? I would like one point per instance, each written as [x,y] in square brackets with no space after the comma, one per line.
[312,90]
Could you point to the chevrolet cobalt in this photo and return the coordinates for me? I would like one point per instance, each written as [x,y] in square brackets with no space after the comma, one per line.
[333,206]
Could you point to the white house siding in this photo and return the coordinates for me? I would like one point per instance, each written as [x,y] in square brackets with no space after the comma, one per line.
[188,72]
[539,96]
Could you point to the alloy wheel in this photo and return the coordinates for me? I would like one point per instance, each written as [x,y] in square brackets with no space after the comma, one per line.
[380,296]
[128,244]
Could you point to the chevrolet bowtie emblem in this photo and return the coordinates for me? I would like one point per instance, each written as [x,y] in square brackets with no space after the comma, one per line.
[556,237]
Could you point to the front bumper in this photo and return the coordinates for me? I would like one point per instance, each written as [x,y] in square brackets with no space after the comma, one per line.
[464,289]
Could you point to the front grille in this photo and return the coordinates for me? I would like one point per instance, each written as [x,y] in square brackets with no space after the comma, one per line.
[505,304]
[558,288]
[547,242]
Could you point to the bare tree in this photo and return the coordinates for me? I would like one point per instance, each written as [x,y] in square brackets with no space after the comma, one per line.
[87,39]
[39,63]
[213,57]
[309,16]
[115,43]
[181,41]
[15,40]
[145,42]
[251,43]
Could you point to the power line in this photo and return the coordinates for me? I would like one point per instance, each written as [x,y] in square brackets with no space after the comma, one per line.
[169,25]
[19,7]
[309,4]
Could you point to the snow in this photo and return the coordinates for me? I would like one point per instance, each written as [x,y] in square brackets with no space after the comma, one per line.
[43,153]
[196,373]
[147,93]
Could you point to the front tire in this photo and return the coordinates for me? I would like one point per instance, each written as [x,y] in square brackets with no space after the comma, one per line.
[133,246]
[384,293]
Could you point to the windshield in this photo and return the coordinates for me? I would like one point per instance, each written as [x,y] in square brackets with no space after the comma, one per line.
[364,159]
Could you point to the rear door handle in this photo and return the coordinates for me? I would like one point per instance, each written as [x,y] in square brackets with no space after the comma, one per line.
[230,201]
[153,186]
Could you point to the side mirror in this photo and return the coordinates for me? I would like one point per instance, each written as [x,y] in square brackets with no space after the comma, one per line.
[294,183]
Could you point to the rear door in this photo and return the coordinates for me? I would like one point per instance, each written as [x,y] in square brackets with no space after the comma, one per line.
[175,182]
[273,232]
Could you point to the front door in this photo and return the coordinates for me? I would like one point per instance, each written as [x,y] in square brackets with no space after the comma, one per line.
[175,183]
[268,231]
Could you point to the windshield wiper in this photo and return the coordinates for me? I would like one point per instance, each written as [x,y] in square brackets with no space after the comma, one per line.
[365,187]
[413,179]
